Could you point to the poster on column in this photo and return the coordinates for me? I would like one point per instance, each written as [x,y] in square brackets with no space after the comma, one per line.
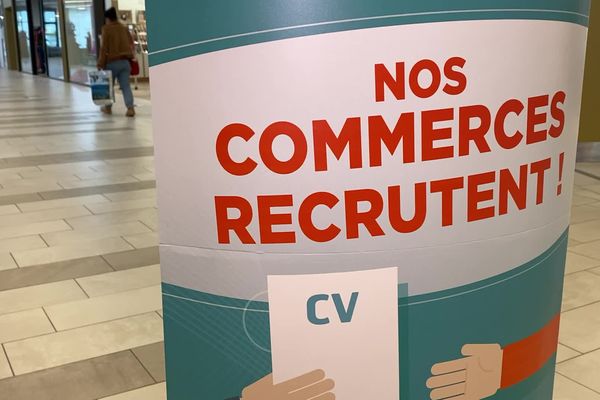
[364,199]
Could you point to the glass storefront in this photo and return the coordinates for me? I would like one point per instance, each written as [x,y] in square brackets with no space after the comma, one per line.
[53,39]
[3,55]
[23,35]
[57,38]
[80,38]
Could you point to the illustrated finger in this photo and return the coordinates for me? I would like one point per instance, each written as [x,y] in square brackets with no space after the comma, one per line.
[312,391]
[448,391]
[302,381]
[325,396]
[449,366]
[447,379]
[266,381]
[471,349]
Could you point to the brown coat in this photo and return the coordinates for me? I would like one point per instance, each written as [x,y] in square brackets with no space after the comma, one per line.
[116,44]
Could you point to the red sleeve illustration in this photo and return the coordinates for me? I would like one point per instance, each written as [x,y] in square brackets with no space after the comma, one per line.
[524,358]
[486,368]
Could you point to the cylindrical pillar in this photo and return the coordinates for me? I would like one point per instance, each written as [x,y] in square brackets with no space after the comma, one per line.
[364,199]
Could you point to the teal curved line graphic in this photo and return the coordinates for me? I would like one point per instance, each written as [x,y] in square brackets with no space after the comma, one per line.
[496,280]
[204,27]
[213,351]
[396,17]
[241,304]
[213,304]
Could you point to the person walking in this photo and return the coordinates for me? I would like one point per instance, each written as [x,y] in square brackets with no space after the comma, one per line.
[116,50]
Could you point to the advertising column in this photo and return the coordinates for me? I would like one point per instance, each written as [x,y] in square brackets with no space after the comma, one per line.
[364,200]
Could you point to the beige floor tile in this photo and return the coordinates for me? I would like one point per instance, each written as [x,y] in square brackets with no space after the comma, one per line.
[34,228]
[122,206]
[580,289]
[133,258]
[584,180]
[566,389]
[50,174]
[117,173]
[583,369]
[152,357]
[153,392]
[120,281]
[10,173]
[151,222]
[584,213]
[18,199]
[72,168]
[585,231]
[87,191]
[5,371]
[104,308]
[7,261]
[110,218]
[28,183]
[43,215]
[146,176]
[591,249]
[72,183]
[19,170]
[9,177]
[146,161]
[143,240]
[118,144]
[24,324]
[592,194]
[125,169]
[9,209]
[580,328]
[132,195]
[65,347]
[22,243]
[160,312]
[564,353]
[61,203]
[38,296]
[12,191]
[53,272]
[581,200]
[589,167]
[62,253]
[594,188]
[80,235]
[577,262]
[84,380]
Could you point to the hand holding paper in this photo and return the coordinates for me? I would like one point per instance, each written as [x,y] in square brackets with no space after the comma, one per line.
[312,385]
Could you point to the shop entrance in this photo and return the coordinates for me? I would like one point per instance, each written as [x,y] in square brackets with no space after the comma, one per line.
[53,39]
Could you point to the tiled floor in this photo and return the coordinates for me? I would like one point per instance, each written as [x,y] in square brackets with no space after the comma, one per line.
[80,314]
[79,277]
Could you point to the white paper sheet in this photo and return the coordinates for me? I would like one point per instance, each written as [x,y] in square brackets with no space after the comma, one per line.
[355,343]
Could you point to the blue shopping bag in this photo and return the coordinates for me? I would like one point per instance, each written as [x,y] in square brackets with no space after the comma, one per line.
[101,83]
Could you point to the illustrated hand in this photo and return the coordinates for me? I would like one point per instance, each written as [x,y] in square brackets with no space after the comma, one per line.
[312,385]
[474,377]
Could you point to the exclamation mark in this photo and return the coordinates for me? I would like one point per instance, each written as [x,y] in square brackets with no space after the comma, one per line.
[561,163]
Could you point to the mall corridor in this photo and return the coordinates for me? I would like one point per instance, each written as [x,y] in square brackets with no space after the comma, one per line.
[80,303]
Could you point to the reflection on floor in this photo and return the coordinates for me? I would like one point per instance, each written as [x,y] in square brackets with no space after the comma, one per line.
[80,308]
